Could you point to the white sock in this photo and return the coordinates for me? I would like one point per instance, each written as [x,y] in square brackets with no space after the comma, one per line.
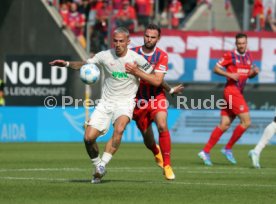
[269,131]
[96,161]
[106,158]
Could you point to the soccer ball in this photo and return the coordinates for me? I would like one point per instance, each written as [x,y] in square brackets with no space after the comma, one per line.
[90,73]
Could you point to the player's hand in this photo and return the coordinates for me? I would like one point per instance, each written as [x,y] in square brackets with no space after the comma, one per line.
[131,68]
[234,76]
[253,72]
[178,89]
[59,63]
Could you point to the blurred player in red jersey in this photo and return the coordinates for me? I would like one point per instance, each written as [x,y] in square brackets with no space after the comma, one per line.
[76,22]
[239,68]
[151,101]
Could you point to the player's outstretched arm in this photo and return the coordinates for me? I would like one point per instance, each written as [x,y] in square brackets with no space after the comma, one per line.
[154,79]
[172,90]
[71,64]
[178,89]
[166,86]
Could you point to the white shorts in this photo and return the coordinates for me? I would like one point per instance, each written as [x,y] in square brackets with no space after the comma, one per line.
[106,112]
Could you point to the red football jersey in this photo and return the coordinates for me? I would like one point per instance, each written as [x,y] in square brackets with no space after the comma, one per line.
[235,62]
[159,61]
[76,19]
[129,13]
[144,7]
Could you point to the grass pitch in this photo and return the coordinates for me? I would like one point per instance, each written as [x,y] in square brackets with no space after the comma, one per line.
[61,173]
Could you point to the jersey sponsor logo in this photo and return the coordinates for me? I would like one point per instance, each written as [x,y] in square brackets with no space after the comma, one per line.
[242,71]
[119,75]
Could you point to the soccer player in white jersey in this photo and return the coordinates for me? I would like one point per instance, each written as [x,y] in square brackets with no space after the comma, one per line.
[268,133]
[117,100]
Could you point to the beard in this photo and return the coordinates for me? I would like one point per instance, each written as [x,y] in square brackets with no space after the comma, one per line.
[241,51]
[150,46]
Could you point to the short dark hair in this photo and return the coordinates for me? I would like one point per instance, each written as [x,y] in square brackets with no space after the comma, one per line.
[154,27]
[241,35]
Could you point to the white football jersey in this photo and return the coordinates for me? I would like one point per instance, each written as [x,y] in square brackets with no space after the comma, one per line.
[119,85]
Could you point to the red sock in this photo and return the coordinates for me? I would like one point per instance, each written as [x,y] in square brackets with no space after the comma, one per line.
[239,130]
[154,149]
[214,138]
[165,146]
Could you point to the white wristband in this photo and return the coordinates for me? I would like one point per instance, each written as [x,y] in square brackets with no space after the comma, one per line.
[67,64]
[171,91]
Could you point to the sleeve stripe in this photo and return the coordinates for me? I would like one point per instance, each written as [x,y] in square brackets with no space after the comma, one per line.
[160,71]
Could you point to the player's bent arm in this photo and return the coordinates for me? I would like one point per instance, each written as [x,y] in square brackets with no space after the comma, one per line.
[154,79]
[219,71]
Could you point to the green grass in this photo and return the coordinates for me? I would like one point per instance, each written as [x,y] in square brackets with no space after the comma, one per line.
[61,172]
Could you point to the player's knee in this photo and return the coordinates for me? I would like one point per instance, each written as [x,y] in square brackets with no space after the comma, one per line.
[119,130]
[162,127]
[224,127]
[89,135]
[246,124]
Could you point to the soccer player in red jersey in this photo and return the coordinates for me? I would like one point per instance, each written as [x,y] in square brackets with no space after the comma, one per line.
[151,101]
[239,68]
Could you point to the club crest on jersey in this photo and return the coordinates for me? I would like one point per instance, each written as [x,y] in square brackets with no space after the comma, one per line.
[248,62]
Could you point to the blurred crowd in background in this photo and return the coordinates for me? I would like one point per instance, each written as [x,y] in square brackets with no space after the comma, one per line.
[262,14]
[136,14]
[132,14]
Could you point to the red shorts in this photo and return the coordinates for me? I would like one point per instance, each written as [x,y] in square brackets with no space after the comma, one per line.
[145,111]
[236,104]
